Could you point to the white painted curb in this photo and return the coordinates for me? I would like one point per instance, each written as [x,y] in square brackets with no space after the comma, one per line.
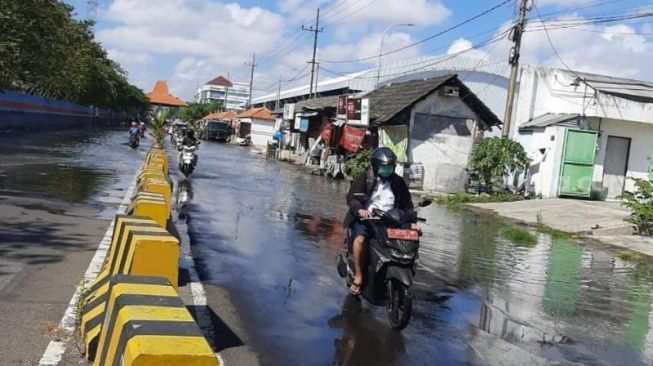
[55,350]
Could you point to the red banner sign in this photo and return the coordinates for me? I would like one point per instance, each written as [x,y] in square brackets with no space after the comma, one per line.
[352,138]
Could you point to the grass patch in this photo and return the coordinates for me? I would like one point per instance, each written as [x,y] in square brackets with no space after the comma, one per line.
[463,198]
[520,236]
[627,255]
[544,229]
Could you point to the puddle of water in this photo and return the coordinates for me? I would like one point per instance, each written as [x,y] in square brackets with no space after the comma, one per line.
[70,184]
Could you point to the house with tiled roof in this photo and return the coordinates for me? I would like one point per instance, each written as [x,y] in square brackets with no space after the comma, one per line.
[233,95]
[258,123]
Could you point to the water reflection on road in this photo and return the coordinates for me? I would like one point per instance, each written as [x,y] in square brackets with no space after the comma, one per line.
[269,232]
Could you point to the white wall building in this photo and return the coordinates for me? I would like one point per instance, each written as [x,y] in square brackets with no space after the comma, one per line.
[257,123]
[234,95]
[587,134]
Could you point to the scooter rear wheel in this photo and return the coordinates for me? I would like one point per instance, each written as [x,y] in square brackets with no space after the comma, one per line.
[399,305]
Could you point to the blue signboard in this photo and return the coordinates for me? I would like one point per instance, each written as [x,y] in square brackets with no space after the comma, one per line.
[303,124]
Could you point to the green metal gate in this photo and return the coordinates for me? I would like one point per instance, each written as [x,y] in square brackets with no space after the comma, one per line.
[577,165]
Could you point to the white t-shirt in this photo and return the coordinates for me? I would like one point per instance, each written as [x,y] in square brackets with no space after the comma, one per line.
[382,197]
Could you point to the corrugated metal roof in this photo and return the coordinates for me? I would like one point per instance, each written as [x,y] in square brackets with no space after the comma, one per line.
[317,103]
[549,119]
[392,99]
[636,90]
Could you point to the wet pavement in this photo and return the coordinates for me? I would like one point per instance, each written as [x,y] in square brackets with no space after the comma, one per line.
[74,166]
[58,191]
[268,233]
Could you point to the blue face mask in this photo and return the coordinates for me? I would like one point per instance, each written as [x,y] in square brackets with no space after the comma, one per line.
[386,170]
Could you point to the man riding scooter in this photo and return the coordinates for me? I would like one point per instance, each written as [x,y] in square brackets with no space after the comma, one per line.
[191,141]
[134,133]
[378,188]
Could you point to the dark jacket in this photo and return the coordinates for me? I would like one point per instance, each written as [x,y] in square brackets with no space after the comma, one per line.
[362,188]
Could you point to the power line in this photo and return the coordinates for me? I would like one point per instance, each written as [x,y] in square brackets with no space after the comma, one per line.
[357,10]
[553,48]
[430,62]
[454,27]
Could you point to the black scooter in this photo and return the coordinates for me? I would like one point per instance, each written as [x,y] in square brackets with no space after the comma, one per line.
[133,142]
[389,264]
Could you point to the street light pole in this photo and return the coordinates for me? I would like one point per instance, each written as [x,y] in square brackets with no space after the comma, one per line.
[378,72]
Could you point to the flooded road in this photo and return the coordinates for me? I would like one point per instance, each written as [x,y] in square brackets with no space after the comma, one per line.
[268,233]
[91,166]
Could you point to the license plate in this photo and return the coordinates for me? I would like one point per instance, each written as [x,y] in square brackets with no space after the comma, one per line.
[399,234]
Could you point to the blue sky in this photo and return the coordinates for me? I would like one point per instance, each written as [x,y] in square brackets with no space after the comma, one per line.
[188,42]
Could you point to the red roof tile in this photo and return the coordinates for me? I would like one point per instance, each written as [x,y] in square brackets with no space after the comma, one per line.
[220,81]
[219,116]
[258,113]
[160,95]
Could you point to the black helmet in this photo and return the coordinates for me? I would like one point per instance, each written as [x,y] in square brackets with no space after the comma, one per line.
[383,156]
[190,132]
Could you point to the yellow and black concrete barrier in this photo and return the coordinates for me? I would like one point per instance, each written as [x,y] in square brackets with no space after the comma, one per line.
[131,313]
[139,247]
[148,324]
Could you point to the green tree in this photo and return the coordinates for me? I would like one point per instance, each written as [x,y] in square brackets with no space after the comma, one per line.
[196,111]
[495,157]
[44,51]
[158,121]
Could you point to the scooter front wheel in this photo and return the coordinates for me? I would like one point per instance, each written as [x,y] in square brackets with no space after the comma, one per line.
[399,305]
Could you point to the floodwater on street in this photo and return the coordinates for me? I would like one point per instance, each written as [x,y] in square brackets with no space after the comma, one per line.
[91,166]
[269,233]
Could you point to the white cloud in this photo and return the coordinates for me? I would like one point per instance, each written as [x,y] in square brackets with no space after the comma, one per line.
[191,41]
[219,36]
[615,50]
[466,46]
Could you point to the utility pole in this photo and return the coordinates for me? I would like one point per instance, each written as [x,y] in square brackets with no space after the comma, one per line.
[278,94]
[315,30]
[251,80]
[517,32]
[317,75]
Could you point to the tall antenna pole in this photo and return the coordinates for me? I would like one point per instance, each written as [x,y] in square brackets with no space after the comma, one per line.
[517,32]
[251,80]
[315,30]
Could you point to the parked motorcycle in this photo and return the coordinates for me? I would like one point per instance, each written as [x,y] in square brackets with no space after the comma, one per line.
[133,142]
[187,159]
[389,264]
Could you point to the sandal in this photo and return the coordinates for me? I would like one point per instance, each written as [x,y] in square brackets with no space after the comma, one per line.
[355,288]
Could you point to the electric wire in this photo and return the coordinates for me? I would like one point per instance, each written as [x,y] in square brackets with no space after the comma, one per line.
[445,31]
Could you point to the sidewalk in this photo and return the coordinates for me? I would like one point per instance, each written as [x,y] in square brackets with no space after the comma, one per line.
[596,220]
[46,246]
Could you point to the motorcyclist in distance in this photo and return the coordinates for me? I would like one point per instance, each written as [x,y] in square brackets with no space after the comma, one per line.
[134,130]
[378,188]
